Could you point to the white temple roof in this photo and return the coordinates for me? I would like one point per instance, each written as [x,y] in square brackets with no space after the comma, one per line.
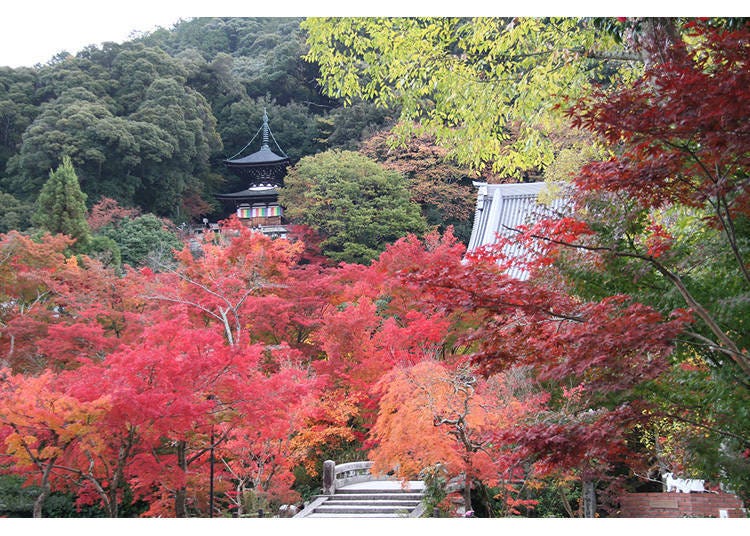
[501,208]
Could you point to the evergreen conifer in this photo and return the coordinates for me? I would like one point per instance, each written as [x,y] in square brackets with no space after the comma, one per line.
[61,205]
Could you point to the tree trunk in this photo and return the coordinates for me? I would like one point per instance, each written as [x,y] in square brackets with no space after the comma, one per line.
[118,478]
[180,495]
[654,38]
[565,502]
[241,498]
[39,502]
[589,498]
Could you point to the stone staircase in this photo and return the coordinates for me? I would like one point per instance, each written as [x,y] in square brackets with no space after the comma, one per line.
[373,499]
[351,490]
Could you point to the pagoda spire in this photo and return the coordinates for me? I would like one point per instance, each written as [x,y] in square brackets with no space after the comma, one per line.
[266,128]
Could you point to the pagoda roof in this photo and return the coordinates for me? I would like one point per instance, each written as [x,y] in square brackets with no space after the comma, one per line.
[262,157]
[265,156]
[249,193]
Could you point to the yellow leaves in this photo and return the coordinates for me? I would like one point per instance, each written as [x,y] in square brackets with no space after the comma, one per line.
[26,449]
[15,444]
[327,426]
[478,77]
[49,452]
[17,441]
[535,484]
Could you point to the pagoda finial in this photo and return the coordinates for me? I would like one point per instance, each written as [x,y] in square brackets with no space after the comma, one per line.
[265,128]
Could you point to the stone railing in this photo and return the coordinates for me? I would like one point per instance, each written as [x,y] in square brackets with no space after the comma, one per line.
[336,476]
[456,483]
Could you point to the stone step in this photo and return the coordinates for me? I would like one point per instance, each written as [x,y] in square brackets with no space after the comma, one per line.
[369,499]
[371,502]
[379,491]
[355,515]
[363,509]
[377,496]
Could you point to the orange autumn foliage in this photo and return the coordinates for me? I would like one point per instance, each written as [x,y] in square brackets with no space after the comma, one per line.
[433,413]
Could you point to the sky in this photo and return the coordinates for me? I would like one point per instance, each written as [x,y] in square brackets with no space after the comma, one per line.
[33,31]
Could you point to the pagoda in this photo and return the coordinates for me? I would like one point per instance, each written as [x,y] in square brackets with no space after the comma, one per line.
[257,206]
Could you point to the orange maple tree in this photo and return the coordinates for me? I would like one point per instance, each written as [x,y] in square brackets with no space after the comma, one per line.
[46,431]
[435,414]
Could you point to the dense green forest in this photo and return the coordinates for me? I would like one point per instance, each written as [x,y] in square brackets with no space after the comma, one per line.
[149,121]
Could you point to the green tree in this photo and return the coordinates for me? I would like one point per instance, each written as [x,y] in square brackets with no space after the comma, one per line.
[185,130]
[269,61]
[214,79]
[155,156]
[443,189]
[83,126]
[136,68]
[70,72]
[354,202]
[350,126]
[266,52]
[17,108]
[14,214]
[142,239]
[61,205]
[487,88]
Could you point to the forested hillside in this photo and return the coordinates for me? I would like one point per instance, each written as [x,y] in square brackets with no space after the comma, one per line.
[149,121]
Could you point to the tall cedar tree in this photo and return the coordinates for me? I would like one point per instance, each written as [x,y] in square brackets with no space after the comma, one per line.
[61,205]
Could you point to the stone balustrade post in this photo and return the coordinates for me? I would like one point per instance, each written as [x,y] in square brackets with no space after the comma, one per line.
[329,477]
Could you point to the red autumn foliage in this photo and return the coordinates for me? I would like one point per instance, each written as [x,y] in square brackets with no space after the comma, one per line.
[107,211]
[684,126]
[276,359]
[609,348]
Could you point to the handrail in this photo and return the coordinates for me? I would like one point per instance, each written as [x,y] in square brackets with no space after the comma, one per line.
[336,476]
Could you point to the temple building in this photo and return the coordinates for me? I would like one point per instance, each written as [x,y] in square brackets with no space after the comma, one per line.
[257,206]
[503,208]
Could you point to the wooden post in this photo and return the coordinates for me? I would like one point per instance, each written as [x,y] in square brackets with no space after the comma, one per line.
[329,477]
